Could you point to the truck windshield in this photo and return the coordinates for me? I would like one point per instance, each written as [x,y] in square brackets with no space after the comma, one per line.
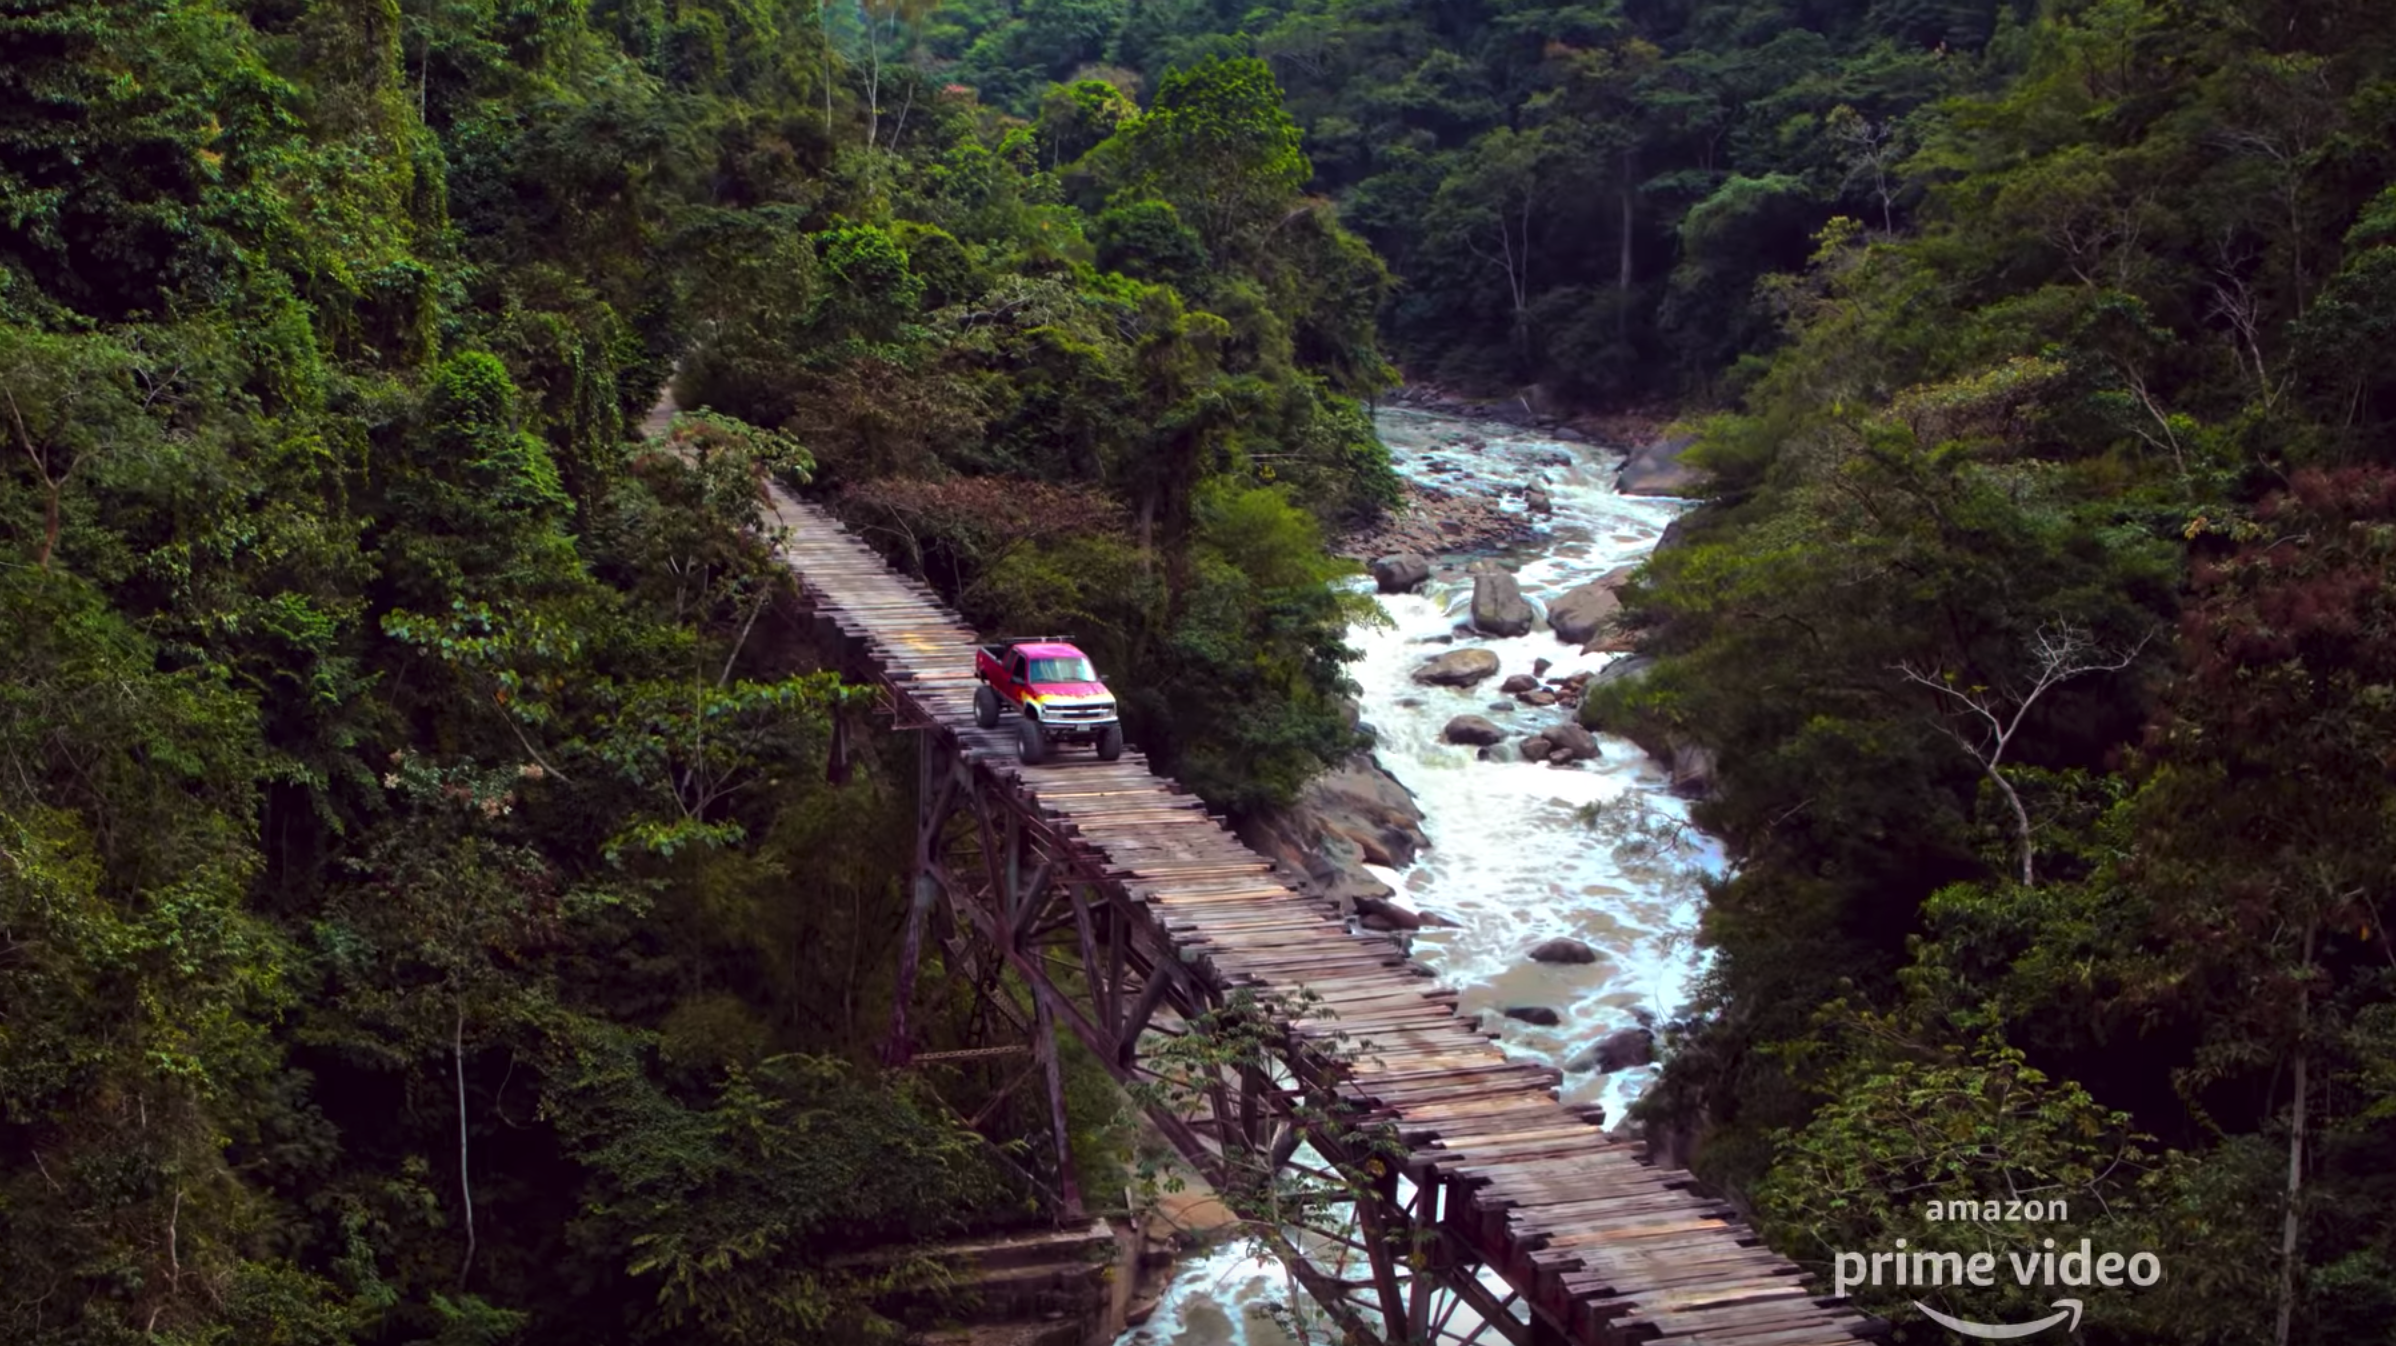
[1060,670]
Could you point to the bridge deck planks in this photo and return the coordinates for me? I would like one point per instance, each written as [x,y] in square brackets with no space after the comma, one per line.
[1575,1219]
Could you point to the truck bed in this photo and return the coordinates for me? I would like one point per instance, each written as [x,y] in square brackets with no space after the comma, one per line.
[998,646]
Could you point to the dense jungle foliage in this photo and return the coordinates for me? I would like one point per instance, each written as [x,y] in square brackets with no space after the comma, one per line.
[2042,623]
[424,913]
[1580,197]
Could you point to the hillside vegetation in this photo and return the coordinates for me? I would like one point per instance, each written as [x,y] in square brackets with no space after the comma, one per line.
[2042,622]
[424,914]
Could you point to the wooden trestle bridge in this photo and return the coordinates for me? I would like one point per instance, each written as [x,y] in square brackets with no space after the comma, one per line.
[1503,1214]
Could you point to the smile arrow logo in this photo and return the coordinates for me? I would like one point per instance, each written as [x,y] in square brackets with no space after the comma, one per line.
[2001,1331]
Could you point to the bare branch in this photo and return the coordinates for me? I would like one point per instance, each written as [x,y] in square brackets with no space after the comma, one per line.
[2170,439]
[52,486]
[531,751]
[2062,652]
[754,608]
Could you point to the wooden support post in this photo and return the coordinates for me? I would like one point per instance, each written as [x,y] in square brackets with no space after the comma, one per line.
[1424,1281]
[1285,1147]
[1077,896]
[1002,895]
[1372,1216]
[1251,1120]
[1014,843]
[932,804]
[1030,904]
[1044,1026]
[1127,1041]
[1490,1309]
[1111,1007]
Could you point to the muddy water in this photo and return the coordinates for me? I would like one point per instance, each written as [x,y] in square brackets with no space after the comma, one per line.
[1520,852]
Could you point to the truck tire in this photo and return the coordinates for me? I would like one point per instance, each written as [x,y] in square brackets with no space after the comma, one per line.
[1032,741]
[1110,743]
[985,707]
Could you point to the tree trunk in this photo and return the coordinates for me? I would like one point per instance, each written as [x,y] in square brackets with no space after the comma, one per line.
[457,1057]
[1180,478]
[2296,1126]
[898,1048]
[873,79]
[2021,823]
[1044,1024]
[1622,274]
[905,107]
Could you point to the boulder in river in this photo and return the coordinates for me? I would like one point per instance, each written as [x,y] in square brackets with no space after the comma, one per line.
[1676,534]
[1581,615]
[1536,1015]
[1539,696]
[1618,1050]
[1354,815]
[1539,667]
[1633,667]
[1518,684]
[1536,749]
[1376,913]
[1537,500]
[1692,770]
[1563,951]
[1571,738]
[1458,668]
[1471,731]
[1400,572]
[1657,469]
[1499,609]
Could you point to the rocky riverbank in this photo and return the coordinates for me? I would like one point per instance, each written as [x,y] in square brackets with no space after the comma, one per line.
[1537,409]
[1652,453]
[1345,819]
[1440,519]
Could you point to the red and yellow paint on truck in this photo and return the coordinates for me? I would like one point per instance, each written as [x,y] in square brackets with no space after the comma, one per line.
[1054,693]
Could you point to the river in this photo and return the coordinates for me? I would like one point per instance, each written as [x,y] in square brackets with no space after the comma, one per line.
[1520,852]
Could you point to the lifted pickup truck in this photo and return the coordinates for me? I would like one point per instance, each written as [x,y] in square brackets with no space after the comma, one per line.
[1054,691]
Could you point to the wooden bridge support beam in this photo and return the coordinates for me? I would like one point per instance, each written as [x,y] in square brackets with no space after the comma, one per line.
[1423,1285]
[935,801]
[1382,1242]
[1045,1026]
[1013,899]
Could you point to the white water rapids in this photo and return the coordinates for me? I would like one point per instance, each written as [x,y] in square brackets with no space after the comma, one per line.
[1520,852]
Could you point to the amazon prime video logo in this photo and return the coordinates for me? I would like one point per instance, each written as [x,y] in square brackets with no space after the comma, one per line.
[2043,1268]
